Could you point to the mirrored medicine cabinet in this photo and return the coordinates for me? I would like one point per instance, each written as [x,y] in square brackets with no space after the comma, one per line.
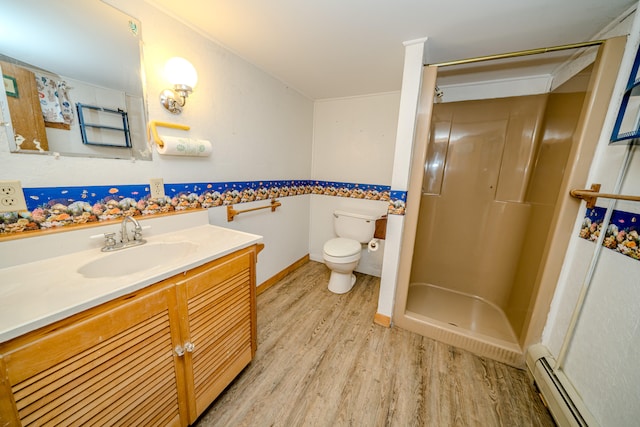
[72,74]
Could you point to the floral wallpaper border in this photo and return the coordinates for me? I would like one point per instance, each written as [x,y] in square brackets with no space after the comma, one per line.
[50,207]
[622,233]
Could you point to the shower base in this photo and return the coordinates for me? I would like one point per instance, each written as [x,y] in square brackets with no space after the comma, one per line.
[463,320]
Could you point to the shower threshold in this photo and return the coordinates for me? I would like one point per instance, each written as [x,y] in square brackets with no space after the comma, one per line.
[463,320]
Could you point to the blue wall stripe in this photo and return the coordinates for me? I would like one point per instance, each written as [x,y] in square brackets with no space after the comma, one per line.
[49,207]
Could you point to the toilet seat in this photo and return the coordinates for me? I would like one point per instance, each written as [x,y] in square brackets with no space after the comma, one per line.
[342,250]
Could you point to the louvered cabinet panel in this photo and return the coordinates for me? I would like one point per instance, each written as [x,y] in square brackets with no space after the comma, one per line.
[156,357]
[113,368]
[220,302]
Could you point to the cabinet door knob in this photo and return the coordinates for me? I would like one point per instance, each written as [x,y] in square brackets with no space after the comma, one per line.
[179,350]
[189,347]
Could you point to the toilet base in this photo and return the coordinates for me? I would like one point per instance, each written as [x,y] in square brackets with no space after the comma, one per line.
[341,283]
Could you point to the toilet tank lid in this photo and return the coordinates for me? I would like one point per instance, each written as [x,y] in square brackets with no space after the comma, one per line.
[368,216]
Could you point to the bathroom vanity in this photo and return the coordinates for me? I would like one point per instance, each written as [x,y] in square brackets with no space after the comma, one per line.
[154,347]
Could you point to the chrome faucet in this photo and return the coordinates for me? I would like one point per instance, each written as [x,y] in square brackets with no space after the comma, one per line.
[137,231]
[125,241]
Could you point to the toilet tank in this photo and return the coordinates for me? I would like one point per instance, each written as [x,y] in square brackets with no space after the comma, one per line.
[356,226]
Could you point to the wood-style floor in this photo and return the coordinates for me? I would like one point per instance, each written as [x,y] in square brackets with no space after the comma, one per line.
[322,362]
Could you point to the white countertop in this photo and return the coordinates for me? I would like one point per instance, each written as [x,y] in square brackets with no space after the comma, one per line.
[36,294]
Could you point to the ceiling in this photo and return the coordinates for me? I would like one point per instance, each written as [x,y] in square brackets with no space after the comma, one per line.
[340,48]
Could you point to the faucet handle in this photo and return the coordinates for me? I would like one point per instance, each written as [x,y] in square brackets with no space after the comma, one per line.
[110,240]
[137,232]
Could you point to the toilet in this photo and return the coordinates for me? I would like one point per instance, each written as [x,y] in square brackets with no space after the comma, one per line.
[342,254]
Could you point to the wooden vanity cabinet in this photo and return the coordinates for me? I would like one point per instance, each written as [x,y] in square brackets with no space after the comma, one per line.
[219,326]
[158,356]
[113,365]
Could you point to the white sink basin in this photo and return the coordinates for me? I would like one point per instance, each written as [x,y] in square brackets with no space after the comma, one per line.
[136,259]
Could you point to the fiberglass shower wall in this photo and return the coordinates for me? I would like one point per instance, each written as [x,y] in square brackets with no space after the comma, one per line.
[473,202]
[491,180]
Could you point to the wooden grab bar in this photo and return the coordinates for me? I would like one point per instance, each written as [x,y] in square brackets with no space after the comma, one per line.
[232,212]
[591,196]
[154,132]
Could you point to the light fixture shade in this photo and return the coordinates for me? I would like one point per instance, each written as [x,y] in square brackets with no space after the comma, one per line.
[179,71]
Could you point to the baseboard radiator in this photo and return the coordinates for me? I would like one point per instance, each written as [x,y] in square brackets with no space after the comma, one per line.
[560,397]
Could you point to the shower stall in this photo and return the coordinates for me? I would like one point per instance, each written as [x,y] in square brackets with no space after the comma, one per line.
[491,180]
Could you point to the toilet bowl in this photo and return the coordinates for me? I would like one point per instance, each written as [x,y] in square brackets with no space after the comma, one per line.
[341,256]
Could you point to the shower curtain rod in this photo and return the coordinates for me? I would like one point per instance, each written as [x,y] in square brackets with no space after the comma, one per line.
[518,53]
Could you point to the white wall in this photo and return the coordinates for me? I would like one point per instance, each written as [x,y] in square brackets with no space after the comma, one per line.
[260,130]
[600,357]
[285,232]
[602,354]
[353,142]
[259,127]
[414,58]
[354,138]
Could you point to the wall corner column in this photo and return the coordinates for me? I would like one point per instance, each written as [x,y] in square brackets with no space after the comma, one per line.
[414,60]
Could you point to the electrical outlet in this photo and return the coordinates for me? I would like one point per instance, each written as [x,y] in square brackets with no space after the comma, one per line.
[156,188]
[12,197]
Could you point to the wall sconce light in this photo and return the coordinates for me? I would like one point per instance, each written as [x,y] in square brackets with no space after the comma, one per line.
[183,76]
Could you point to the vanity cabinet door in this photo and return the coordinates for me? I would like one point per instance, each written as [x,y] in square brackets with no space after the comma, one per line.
[217,302]
[114,365]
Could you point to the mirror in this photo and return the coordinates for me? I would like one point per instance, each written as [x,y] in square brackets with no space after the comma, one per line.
[72,77]
[627,125]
